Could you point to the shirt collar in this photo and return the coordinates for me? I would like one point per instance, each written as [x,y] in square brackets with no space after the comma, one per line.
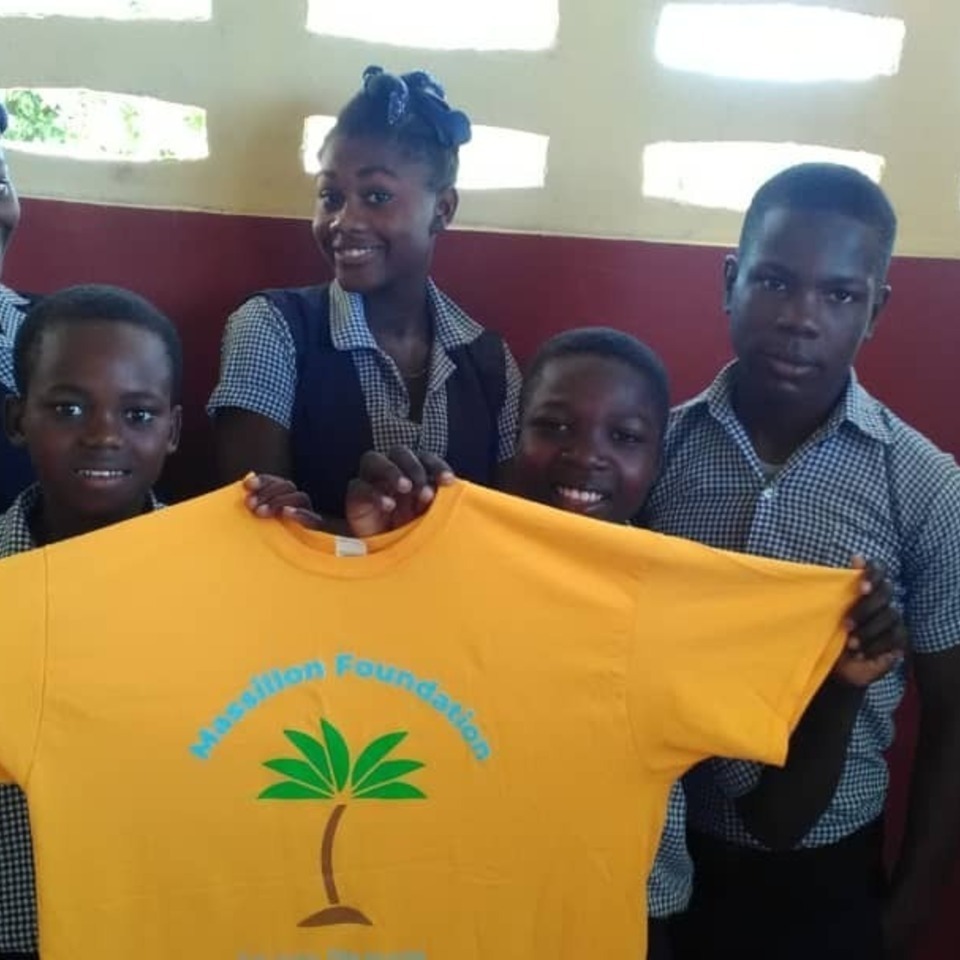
[452,328]
[15,535]
[855,406]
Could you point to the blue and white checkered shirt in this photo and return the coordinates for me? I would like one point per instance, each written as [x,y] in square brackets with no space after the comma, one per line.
[865,483]
[670,884]
[12,312]
[18,905]
[258,371]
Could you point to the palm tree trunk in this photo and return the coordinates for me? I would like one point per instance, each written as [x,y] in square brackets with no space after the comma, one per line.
[326,854]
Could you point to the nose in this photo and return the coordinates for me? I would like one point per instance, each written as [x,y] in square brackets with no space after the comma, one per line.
[102,429]
[801,314]
[585,449]
[349,216]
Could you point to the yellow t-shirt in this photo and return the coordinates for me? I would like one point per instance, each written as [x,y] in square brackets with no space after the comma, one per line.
[238,745]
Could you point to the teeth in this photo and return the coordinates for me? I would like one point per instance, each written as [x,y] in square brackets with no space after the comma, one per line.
[353,253]
[102,474]
[579,495]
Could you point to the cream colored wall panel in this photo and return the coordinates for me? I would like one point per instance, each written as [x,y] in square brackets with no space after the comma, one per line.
[599,95]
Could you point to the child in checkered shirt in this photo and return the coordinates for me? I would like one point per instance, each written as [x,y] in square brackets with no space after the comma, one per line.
[592,417]
[98,373]
[313,377]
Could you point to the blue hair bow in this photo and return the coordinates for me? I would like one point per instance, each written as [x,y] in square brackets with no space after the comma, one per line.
[421,94]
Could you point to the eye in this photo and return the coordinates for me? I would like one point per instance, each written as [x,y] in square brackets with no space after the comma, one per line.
[139,416]
[628,437]
[839,295]
[550,426]
[377,198]
[772,284]
[330,200]
[67,411]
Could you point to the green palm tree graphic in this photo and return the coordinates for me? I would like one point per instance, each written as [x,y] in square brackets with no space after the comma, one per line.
[324,773]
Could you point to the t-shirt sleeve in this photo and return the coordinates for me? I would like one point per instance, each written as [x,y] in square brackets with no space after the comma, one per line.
[23,637]
[258,363]
[510,411]
[729,651]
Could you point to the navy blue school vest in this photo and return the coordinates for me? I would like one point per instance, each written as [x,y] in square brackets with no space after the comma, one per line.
[330,429]
[16,472]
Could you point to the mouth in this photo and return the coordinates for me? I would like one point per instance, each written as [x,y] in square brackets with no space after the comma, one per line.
[790,368]
[353,256]
[579,499]
[100,477]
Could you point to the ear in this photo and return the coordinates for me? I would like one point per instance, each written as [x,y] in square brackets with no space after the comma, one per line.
[444,210]
[882,297]
[731,270]
[176,421]
[13,421]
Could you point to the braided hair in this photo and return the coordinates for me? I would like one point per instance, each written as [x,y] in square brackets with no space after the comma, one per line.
[411,112]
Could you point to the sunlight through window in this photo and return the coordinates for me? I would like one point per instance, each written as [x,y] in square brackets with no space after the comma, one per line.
[440,24]
[93,125]
[778,41]
[726,175]
[109,9]
[496,158]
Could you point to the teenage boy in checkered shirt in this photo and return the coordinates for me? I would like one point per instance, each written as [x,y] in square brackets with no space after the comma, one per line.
[786,455]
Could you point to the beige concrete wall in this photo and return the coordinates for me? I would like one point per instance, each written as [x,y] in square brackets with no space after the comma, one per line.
[600,95]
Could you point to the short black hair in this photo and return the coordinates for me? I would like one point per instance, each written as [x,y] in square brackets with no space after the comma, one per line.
[93,303]
[609,344]
[409,111]
[829,188]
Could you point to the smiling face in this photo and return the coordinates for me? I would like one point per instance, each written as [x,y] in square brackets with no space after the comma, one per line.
[590,438]
[97,420]
[377,217]
[803,297]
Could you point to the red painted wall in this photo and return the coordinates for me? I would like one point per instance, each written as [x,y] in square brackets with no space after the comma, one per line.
[198,266]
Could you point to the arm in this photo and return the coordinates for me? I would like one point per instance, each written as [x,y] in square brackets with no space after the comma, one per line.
[932,606]
[252,404]
[932,836]
[245,441]
[788,801]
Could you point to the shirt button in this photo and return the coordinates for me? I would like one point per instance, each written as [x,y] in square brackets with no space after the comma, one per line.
[768,493]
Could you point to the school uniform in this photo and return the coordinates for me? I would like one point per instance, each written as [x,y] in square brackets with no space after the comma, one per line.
[306,359]
[864,484]
[15,470]
[670,884]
